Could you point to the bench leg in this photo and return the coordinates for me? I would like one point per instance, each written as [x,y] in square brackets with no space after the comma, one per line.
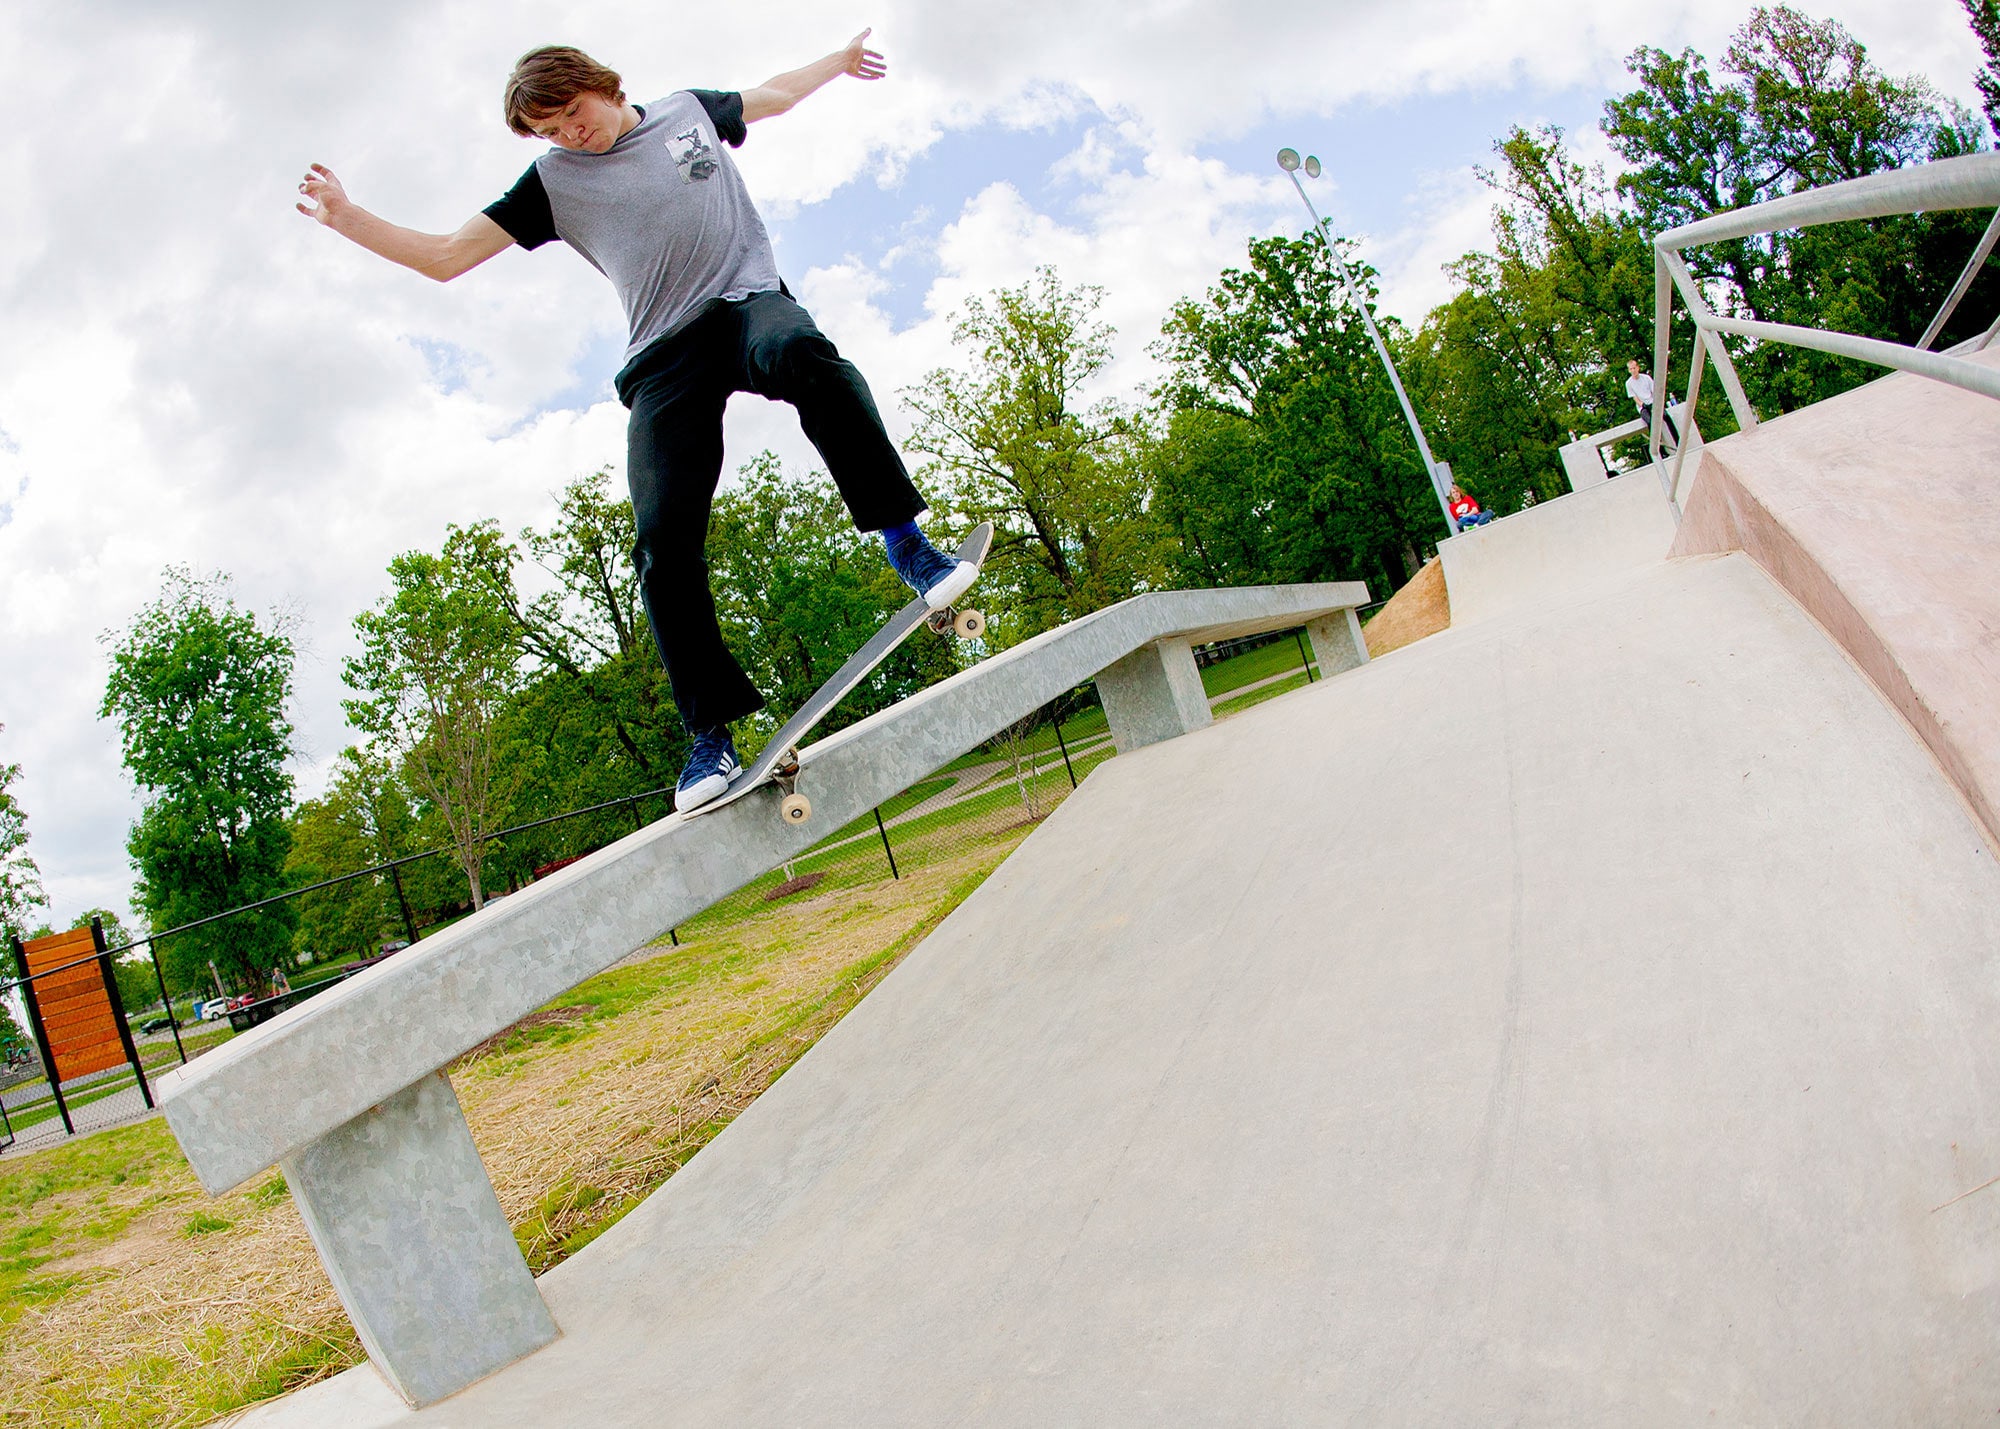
[398,1205]
[1153,694]
[1337,642]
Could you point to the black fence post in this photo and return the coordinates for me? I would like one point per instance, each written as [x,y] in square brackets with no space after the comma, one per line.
[118,1010]
[1063,745]
[637,822]
[166,999]
[409,922]
[883,830]
[41,1036]
[1304,659]
[674,936]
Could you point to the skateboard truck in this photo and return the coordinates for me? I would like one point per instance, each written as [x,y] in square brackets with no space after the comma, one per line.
[794,808]
[965,624]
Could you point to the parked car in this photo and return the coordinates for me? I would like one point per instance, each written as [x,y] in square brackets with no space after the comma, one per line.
[156,1024]
[210,1009]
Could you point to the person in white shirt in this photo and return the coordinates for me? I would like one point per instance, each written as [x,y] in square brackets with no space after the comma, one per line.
[1639,387]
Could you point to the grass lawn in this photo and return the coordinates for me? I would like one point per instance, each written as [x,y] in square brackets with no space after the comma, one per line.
[128,1297]
[1085,724]
[1226,708]
[35,1104]
[1265,661]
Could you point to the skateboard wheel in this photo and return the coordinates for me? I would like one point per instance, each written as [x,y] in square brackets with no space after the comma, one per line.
[970,625]
[796,808]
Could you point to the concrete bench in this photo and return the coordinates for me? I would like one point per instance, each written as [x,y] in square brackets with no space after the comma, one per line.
[345,1091]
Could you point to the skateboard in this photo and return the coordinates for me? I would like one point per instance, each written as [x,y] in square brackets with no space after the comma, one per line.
[779,763]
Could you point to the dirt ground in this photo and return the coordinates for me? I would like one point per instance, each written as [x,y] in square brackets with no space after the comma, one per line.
[1420,608]
[129,1297]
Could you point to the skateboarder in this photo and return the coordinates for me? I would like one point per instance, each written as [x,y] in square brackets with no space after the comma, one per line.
[650,197]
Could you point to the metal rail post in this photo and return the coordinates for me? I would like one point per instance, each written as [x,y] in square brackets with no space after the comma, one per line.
[110,977]
[1063,745]
[403,903]
[166,999]
[49,1068]
[883,830]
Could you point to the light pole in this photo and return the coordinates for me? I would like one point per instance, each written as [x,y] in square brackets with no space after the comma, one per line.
[1288,160]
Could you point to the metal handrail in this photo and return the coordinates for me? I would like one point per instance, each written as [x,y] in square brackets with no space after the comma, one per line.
[1969,181]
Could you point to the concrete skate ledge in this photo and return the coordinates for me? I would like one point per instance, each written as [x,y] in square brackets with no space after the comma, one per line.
[346,1093]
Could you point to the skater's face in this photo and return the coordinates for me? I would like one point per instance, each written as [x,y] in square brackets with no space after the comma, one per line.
[1632,365]
[588,124]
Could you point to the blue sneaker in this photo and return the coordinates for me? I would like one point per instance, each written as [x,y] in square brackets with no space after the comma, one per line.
[938,578]
[710,767]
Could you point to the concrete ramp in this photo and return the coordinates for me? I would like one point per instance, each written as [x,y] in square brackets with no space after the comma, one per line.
[1560,549]
[1583,1017]
[1879,510]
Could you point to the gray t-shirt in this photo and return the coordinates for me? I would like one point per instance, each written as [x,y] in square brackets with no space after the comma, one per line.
[663,213]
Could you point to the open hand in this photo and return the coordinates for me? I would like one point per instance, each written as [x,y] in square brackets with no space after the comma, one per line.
[327,198]
[860,62]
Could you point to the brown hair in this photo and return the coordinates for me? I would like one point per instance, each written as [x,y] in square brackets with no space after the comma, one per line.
[547,79]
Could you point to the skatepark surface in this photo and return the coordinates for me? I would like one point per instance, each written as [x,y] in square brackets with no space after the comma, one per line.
[1582,1014]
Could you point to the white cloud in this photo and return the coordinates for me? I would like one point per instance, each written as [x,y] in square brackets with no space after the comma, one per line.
[194,374]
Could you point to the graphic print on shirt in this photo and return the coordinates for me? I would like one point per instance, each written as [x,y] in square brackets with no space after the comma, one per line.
[693,154]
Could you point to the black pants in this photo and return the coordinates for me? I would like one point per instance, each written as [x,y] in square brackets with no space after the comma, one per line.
[676,391]
[1646,416]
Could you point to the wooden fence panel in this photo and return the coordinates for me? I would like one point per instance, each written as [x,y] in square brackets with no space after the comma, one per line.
[77,1015]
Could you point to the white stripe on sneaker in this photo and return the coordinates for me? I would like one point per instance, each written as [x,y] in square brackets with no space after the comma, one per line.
[952,586]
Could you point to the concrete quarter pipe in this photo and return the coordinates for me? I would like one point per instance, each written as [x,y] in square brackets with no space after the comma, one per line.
[1585,1016]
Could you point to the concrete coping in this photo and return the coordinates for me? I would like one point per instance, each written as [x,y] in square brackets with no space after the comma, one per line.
[286,1084]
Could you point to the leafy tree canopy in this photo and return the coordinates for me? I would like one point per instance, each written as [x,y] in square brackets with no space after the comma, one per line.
[20,879]
[440,655]
[1014,438]
[199,688]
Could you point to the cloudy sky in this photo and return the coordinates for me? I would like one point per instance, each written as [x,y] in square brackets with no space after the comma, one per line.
[194,374]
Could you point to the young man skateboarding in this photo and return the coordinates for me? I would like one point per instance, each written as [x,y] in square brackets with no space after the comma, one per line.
[649,195]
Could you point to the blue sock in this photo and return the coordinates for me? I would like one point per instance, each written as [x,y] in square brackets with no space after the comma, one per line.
[891,535]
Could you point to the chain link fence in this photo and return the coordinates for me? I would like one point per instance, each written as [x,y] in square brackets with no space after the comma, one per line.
[984,799]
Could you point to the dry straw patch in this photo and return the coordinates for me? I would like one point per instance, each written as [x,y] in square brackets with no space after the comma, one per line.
[1420,608]
[128,1297]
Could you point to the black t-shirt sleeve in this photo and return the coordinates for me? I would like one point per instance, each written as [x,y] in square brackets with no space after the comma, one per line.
[725,112]
[524,212]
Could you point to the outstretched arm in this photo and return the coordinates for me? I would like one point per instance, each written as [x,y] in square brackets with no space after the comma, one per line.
[781,91]
[442,256]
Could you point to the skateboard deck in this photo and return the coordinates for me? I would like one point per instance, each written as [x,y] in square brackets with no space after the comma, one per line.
[779,763]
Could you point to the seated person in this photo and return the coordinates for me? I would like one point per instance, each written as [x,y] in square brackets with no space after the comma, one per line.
[1465,511]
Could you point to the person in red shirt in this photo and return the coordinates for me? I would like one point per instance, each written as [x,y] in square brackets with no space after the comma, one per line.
[1465,511]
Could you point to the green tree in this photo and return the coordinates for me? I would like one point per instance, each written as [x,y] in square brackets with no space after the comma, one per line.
[364,819]
[15,1046]
[588,626]
[1531,350]
[592,719]
[20,879]
[439,657]
[1013,439]
[1285,446]
[1798,104]
[1985,18]
[199,688]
